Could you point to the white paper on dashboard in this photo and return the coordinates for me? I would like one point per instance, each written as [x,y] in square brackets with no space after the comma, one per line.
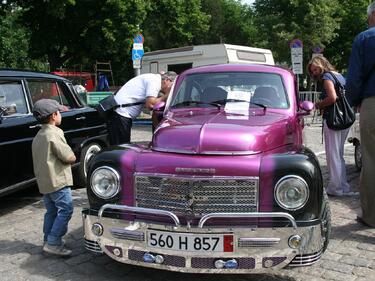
[238,107]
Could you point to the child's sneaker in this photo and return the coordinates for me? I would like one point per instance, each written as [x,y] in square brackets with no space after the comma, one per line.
[57,250]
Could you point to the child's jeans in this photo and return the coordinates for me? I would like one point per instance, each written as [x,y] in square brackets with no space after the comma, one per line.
[59,207]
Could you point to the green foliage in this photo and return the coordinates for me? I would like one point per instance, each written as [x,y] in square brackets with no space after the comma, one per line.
[174,23]
[14,40]
[67,33]
[280,21]
[354,20]
[230,22]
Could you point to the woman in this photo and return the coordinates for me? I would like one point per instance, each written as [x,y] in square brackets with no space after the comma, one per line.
[320,68]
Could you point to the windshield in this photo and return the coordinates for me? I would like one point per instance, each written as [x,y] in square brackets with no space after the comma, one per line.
[208,89]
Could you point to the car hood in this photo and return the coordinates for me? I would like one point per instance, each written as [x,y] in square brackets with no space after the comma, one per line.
[222,133]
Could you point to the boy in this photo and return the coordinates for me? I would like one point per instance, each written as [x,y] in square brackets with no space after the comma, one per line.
[52,159]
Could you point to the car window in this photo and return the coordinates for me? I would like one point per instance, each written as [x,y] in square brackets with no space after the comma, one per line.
[49,89]
[12,98]
[258,88]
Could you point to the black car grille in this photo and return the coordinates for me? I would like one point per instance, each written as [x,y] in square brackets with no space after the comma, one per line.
[196,196]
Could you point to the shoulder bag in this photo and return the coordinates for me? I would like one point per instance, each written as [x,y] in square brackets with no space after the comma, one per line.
[339,115]
[107,105]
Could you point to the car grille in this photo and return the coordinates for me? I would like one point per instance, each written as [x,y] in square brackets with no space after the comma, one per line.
[196,196]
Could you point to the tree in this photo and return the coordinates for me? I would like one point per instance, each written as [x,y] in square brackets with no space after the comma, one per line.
[174,23]
[72,32]
[230,22]
[353,20]
[280,21]
[14,42]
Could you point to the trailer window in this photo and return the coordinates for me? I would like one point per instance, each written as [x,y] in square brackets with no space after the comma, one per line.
[250,56]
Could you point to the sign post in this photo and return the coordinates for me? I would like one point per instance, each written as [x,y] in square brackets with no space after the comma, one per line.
[137,53]
[296,51]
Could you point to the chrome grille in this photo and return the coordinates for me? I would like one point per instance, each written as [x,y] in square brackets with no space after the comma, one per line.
[196,196]
[306,259]
[92,246]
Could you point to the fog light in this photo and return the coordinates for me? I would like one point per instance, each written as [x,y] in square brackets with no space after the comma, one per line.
[149,258]
[231,264]
[97,229]
[295,241]
[159,259]
[116,252]
[268,263]
[219,264]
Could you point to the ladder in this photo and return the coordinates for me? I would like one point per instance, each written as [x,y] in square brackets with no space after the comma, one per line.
[103,67]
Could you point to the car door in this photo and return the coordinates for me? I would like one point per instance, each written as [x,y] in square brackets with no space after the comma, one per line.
[17,130]
[73,120]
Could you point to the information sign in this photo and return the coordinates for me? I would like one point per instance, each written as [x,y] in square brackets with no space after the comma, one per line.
[296,51]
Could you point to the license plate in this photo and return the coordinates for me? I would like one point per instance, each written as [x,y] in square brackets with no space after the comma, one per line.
[190,242]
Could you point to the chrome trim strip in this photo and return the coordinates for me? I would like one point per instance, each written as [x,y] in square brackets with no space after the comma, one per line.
[169,150]
[247,215]
[139,210]
[200,177]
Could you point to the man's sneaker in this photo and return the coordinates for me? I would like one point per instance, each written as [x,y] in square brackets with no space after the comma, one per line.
[57,250]
[350,193]
[335,192]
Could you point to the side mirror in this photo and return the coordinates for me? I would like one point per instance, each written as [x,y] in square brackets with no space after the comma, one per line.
[159,106]
[306,106]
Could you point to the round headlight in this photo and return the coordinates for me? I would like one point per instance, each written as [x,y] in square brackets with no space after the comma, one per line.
[291,192]
[105,182]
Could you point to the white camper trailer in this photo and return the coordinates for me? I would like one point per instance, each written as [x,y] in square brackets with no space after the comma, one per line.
[180,59]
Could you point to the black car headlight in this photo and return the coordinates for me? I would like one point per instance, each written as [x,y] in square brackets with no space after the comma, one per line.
[291,192]
[105,182]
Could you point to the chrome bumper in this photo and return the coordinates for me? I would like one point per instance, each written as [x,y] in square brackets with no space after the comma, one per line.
[255,250]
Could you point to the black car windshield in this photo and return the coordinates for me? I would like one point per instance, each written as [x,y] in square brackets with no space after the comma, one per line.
[253,88]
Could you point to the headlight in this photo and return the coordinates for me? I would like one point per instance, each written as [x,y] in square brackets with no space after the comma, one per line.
[291,192]
[105,182]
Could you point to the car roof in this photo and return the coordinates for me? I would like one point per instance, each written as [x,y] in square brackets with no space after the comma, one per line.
[4,72]
[238,67]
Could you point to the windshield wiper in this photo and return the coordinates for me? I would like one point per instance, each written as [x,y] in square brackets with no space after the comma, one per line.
[190,102]
[237,100]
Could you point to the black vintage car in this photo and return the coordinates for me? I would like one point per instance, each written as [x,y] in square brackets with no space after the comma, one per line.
[84,130]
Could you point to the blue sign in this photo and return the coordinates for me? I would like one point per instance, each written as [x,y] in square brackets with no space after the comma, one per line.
[296,43]
[139,38]
[137,54]
[317,49]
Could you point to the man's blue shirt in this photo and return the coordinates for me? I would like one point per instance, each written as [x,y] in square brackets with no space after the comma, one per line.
[360,82]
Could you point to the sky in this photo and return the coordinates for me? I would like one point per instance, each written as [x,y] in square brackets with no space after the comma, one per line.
[247,1]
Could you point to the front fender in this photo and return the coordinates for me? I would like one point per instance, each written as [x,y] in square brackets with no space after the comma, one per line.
[303,163]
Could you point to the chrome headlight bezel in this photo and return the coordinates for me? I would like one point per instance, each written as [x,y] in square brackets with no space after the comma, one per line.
[281,188]
[113,187]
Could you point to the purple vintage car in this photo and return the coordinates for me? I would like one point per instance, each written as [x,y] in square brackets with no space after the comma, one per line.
[225,185]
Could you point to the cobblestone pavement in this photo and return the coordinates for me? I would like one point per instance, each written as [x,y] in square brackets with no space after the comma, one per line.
[350,255]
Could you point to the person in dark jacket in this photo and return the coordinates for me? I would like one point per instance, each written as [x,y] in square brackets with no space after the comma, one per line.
[360,90]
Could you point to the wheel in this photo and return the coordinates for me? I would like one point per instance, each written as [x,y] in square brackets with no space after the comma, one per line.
[86,155]
[326,222]
[358,156]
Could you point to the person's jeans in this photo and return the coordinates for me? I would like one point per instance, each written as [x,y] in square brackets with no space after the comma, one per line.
[59,207]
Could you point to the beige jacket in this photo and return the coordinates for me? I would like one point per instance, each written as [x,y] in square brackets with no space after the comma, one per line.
[50,155]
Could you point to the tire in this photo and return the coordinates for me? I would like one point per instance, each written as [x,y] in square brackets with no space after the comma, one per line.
[86,155]
[326,225]
[358,156]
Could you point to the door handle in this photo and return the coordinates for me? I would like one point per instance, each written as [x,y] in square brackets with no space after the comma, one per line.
[35,126]
[81,118]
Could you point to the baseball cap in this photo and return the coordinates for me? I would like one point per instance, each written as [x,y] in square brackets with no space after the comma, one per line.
[45,107]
